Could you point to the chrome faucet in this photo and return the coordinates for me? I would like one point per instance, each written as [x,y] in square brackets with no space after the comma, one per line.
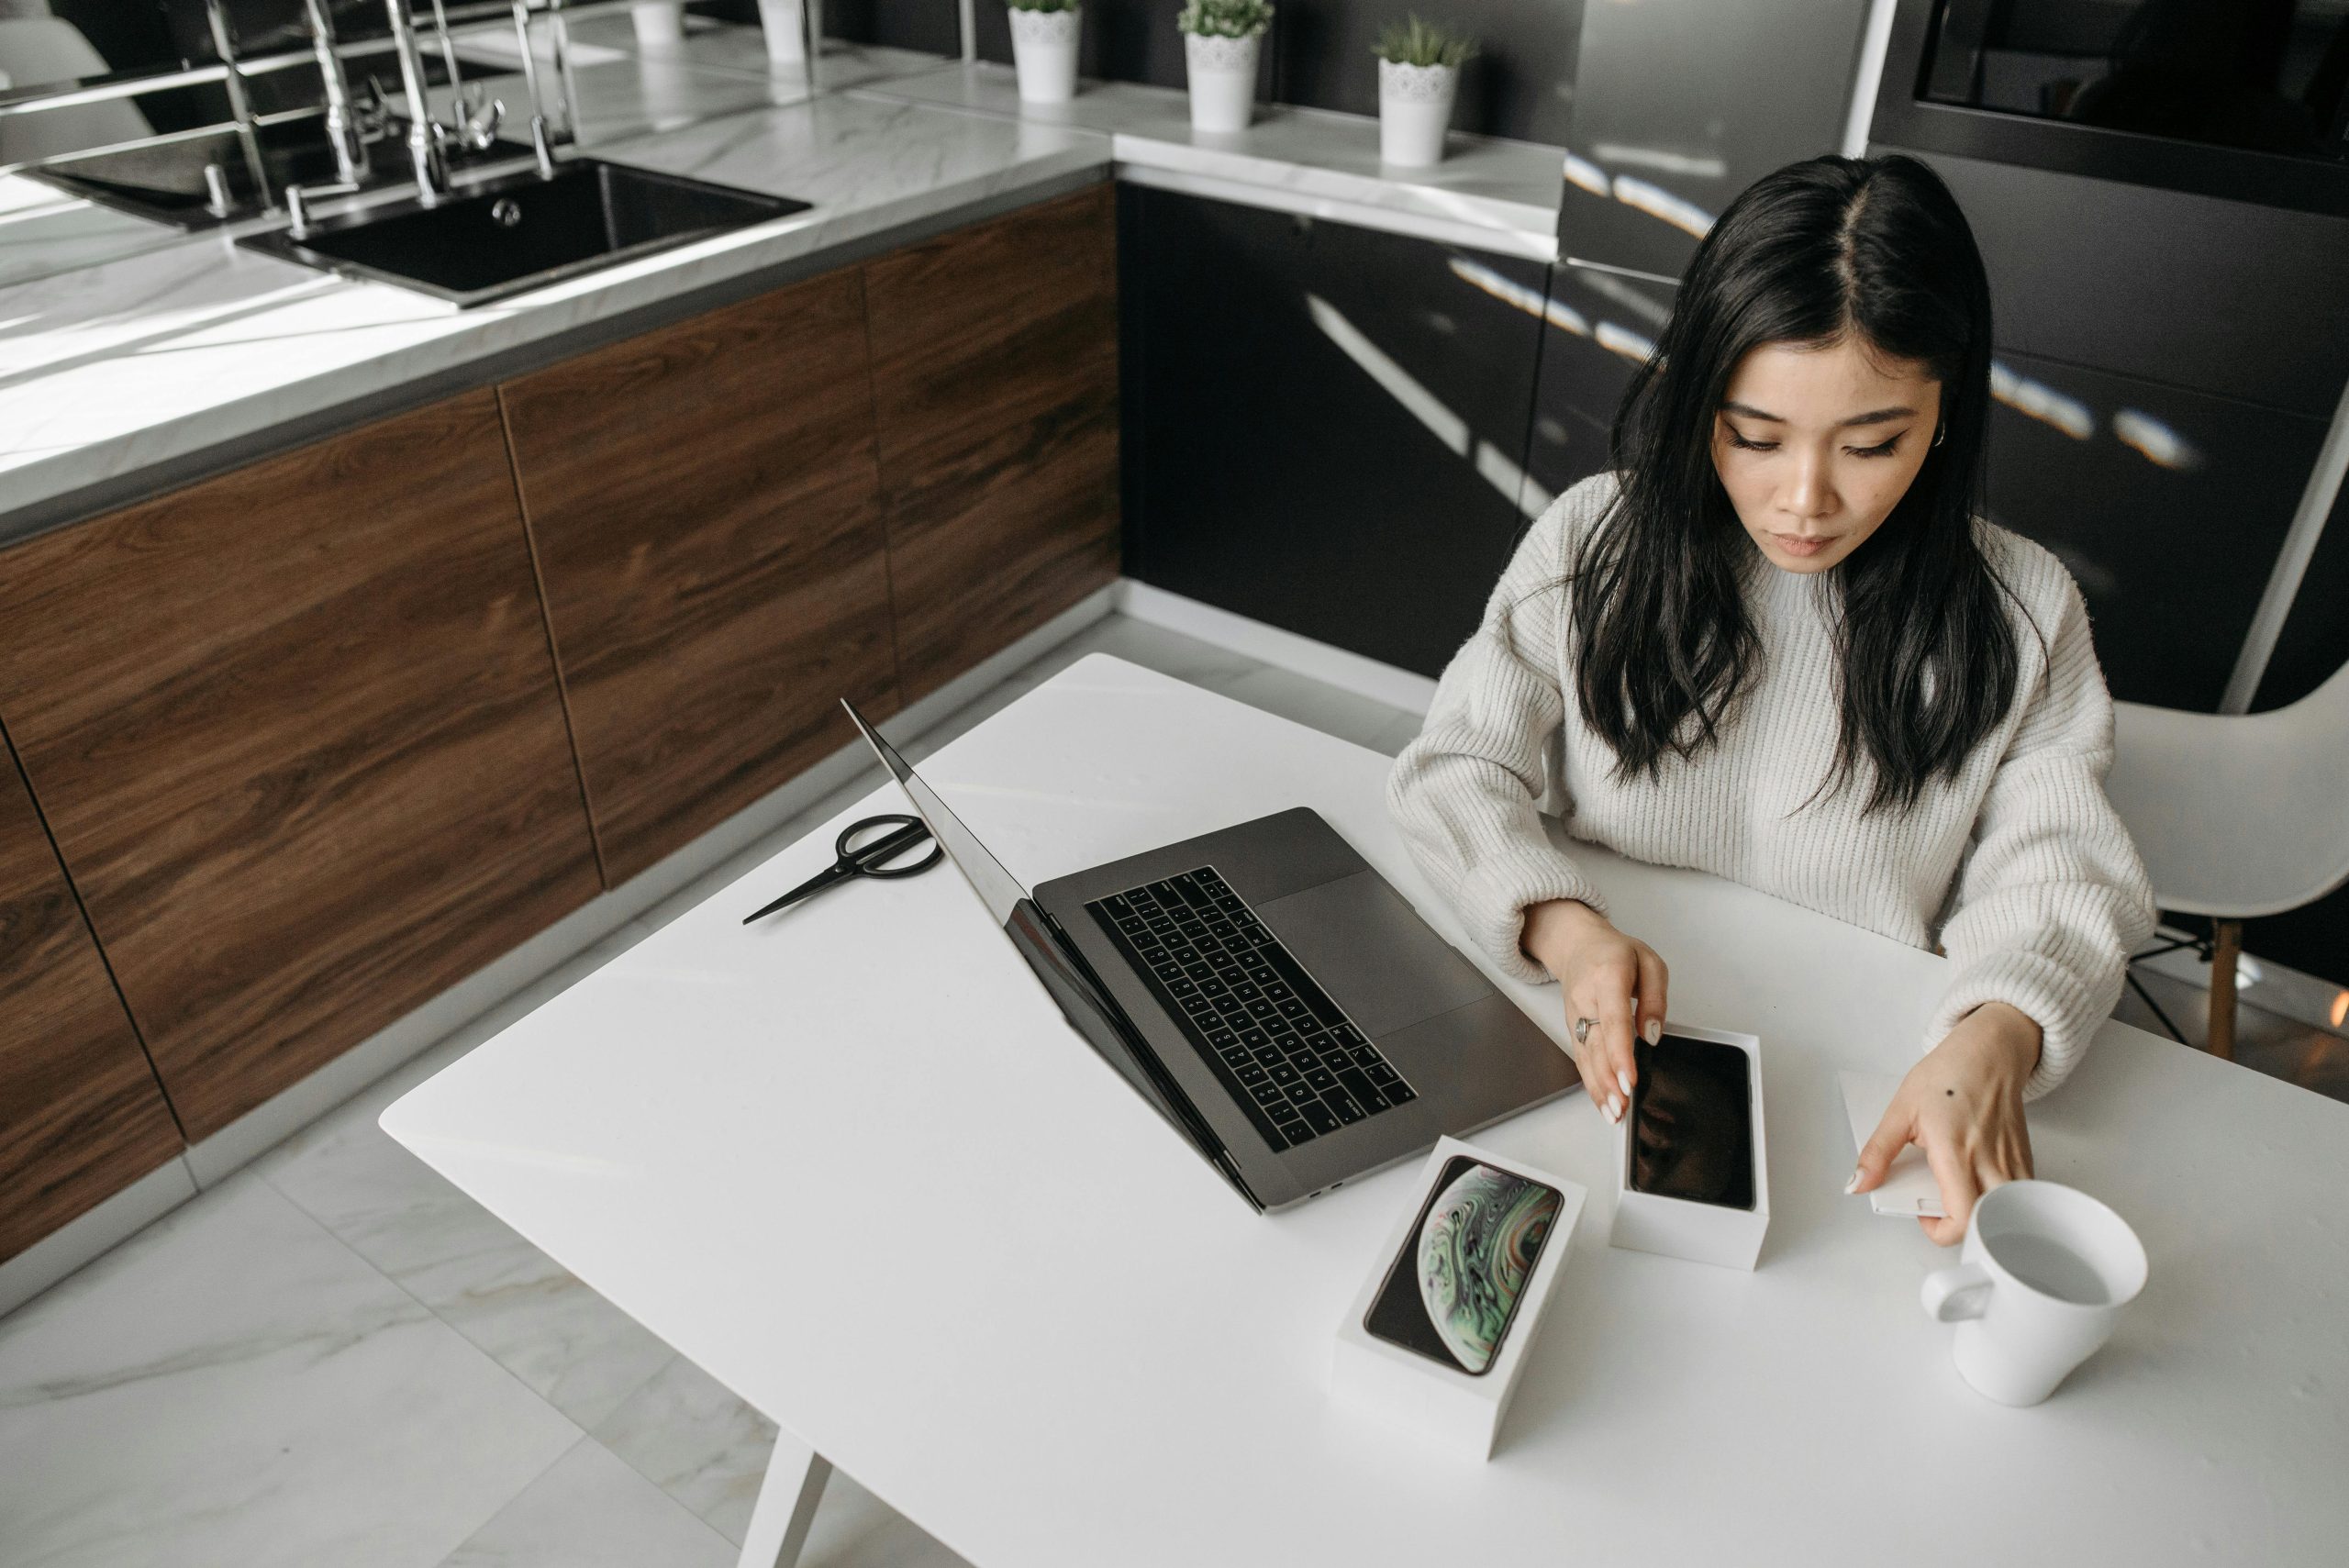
[427,137]
[344,130]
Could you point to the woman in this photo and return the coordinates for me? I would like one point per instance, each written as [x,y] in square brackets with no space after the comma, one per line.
[1776,644]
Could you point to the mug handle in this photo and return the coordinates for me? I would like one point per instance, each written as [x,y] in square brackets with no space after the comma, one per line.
[1953,1293]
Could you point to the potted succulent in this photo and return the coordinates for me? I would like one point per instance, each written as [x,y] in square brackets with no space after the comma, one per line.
[1220,41]
[1418,78]
[1044,48]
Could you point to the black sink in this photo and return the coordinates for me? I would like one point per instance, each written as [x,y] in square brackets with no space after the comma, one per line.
[508,236]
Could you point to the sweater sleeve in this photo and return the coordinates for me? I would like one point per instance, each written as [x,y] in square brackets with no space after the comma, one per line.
[1467,793]
[2052,897]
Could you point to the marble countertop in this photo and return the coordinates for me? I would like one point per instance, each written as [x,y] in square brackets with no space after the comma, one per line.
[1504,194]
[154,357]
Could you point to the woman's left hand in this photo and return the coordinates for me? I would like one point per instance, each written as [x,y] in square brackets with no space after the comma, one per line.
[1963,1104]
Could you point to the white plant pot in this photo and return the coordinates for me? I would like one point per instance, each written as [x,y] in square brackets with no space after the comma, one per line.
[1044,48]
[785,24]
[1223,81]
[662,25]
[1414,108]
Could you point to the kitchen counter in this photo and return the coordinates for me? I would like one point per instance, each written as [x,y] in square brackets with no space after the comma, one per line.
[123,377]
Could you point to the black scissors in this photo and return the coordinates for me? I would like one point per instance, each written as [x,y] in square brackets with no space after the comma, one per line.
[865,860]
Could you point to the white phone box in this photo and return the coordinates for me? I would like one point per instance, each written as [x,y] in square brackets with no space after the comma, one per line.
[1677,1227]
[1455,1409]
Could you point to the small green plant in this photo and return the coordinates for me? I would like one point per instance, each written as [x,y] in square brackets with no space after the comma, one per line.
[1415,42]
[1042,4]
[1225,18]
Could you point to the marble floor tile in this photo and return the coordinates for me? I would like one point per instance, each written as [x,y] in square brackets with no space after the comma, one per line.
[591,1511]
[564,1341]
[2265,1042]
[234,1386]
[686,1433]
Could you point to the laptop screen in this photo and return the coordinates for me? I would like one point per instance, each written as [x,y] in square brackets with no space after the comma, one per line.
[996,888]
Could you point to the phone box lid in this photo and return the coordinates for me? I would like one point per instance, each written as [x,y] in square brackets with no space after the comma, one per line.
[1457,1410]
[1700,1232]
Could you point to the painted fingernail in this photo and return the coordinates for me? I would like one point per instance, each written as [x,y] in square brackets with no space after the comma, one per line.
[1854,1185]
[1655,1031]
[1623,1081]
[1614,1109]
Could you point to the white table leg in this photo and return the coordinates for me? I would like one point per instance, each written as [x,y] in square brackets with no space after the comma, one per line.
[786,1505]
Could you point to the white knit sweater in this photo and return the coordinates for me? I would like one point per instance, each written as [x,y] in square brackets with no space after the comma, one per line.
[2019,867]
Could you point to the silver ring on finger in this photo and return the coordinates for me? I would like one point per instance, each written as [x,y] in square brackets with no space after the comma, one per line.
[1582,1029]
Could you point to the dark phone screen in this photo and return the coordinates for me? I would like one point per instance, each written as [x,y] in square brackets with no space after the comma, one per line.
[1692,1122]
[1451,1292]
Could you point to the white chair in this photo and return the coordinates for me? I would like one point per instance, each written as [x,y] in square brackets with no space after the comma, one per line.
[2237,815]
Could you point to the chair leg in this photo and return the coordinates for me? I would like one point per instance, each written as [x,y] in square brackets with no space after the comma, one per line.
[2226,946]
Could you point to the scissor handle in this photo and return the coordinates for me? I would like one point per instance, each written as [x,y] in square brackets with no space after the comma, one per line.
[868,860]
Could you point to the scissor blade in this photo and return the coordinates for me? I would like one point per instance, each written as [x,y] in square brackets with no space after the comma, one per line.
[823,879]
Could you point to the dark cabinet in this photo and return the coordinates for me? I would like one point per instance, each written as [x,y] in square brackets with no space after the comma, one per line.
[1599,328]
[80,1114]
[2169,508]
[1325,426]
[296,734]
[704,510]
[994,402]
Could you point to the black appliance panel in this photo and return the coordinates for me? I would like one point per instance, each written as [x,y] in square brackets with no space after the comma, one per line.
[2237,98]
[1679,104]
[2169,507]
[2245,302]
[1279,465]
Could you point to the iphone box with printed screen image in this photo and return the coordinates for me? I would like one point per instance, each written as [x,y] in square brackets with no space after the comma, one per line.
[1436,1336]
[1691,1167]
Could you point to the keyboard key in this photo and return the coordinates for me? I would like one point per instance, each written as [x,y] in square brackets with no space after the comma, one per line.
[1292,1009]
[1348,1033]
[1284,1074]
[1363,1056]
[1252,1038]
[1359,1084]
[1298,1132]
[1180,987]
[1383,1075]
[1300,1093]
[1322,1079]
[1319,1118]
[1235,1057]
[1399,1093]
[1267,1095]
[1343,1104]
[1262,973]
[1252,1073]
[1248,992]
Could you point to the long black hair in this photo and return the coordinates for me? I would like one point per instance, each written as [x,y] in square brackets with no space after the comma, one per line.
[1819,252]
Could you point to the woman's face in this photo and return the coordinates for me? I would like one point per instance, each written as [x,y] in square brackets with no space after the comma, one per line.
[1817,445]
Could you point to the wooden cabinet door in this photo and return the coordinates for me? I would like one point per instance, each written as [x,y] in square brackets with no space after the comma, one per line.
[702,500]
[995,392]
[81,1114]
[296,733]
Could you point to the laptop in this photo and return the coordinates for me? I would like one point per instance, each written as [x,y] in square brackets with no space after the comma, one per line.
[1268,993]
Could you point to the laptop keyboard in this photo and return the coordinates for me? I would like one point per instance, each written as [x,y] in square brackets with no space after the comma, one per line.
[1288,1053]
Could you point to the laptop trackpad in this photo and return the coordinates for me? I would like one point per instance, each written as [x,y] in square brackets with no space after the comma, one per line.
[1372,953]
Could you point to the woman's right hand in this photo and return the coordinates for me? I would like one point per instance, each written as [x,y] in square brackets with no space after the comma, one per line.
[1604,975]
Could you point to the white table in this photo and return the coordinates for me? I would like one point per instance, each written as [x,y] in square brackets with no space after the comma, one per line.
[852,1163]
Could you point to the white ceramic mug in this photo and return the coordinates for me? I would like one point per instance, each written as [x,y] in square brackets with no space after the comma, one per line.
[2046,1271]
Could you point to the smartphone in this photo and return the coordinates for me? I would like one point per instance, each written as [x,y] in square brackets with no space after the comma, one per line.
[1692,1122]
[1451,1292]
